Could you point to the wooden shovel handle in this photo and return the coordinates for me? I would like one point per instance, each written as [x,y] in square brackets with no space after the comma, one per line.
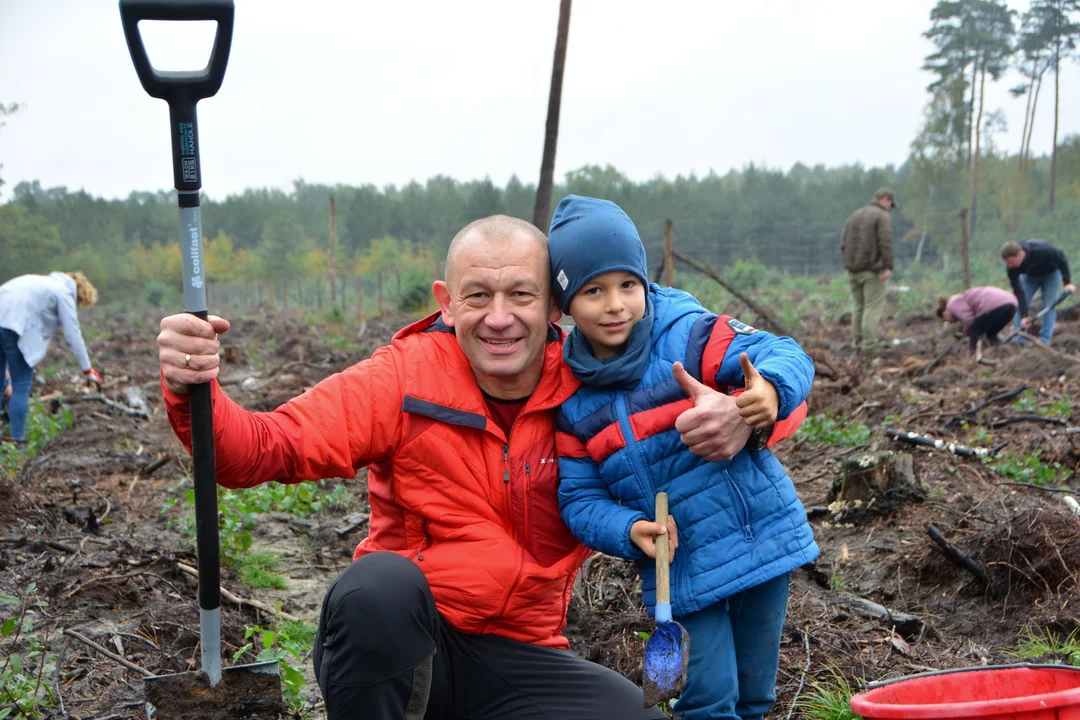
[663,581]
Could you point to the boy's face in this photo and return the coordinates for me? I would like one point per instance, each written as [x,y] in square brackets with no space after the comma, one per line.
[607,308]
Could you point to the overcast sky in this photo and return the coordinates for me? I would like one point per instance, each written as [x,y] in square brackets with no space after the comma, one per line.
[387,92]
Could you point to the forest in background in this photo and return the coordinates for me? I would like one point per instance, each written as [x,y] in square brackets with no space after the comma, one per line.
[272,243]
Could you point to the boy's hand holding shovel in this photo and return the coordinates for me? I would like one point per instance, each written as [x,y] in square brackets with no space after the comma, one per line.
[643,534]
[760,402]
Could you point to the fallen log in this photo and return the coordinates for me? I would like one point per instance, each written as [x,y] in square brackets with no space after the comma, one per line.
[1003,421]
[960,559]
[954,448]
[155,466]
[111,403]
[351,522]
[111,655]
[257,604]
[908,626]
[958,419]
[934,363]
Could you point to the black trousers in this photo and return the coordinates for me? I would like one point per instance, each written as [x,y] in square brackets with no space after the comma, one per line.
[989,324]
[383,652]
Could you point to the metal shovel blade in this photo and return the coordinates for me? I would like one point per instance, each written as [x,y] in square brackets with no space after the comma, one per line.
[667,654]
[245,691]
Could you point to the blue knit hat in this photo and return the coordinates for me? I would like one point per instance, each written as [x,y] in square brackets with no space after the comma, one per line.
[590,237]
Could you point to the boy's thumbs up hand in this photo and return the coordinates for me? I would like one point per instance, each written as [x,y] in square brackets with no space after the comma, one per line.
[713,428]
[760,403]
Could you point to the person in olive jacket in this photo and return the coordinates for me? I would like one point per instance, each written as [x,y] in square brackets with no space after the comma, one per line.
[867,249]
[1036,265]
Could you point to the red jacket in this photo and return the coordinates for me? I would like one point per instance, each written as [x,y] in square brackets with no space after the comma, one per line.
[478,515]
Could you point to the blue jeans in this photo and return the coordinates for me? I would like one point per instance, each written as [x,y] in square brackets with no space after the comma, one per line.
[734,654]
[1050,284]
[22,376]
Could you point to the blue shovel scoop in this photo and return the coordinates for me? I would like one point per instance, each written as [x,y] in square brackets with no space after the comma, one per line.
[667,652]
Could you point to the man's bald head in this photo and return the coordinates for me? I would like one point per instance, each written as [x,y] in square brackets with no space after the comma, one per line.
[493,227]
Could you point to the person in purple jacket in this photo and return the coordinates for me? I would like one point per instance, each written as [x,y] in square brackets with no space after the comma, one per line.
[984,312]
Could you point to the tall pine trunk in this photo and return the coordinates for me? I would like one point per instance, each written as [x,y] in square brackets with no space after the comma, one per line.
[330,254]
[1027,111]
[1034,107]
[971,106]
[542,210]
[975,159]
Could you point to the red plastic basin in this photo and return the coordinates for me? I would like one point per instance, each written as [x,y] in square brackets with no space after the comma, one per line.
[1021,692]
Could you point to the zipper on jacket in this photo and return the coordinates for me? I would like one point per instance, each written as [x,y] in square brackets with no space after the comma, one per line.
[423,543]
[525,532]
[744,509]
[637,462]
[506,464]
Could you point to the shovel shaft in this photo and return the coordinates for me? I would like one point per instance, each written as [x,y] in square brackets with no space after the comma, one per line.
[1060,298]
[182,91]
[663,580]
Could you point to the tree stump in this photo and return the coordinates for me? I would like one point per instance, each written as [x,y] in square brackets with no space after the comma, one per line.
[874,483]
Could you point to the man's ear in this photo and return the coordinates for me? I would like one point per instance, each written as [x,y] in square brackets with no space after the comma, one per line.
[442,296]
[555,314]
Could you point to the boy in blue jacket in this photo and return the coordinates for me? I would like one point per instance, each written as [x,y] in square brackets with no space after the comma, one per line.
[741,527]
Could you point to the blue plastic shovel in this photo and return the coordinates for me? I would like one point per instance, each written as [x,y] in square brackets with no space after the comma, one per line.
[667,652]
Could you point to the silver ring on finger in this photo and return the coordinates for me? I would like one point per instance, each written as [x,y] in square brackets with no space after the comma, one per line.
[187,361]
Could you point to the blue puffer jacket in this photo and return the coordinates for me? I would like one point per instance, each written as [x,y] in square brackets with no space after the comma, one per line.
[740,521]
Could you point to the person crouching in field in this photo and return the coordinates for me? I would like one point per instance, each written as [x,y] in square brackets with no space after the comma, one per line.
[643,354]
[983,312]
[32,307]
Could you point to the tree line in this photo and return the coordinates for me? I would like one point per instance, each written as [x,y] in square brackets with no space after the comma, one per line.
[266,241]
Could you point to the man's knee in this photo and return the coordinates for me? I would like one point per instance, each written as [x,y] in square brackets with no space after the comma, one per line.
[378,620]
[381,588]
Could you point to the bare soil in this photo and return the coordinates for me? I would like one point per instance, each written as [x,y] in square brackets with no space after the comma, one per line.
[84,520]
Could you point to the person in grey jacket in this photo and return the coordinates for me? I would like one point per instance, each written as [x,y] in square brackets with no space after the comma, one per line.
[32,307]
[867,249]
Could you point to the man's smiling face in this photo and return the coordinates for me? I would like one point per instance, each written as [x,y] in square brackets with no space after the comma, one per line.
[497,298]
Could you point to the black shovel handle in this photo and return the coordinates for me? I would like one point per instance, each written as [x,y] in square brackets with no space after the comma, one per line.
[181,89]
[196,84]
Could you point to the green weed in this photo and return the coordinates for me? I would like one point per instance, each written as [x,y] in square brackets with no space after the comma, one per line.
[826,429]
[238,511]
[41,427]
[287,643]
[26,667]
[1025,468]
[828,699]
[257,568]
[1036,643]
[1026,402]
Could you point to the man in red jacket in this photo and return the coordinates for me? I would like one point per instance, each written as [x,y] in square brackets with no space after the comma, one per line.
[456,602]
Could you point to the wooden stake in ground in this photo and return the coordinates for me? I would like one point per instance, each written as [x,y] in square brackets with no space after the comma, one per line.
[330,253]
[542,211]
[965,266]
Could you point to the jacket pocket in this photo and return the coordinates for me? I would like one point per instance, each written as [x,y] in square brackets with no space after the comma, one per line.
[742,508]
